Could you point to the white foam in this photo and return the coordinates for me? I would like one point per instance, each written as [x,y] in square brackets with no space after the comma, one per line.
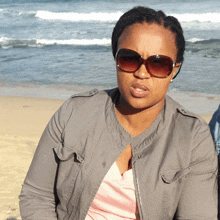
[4,39]
[203,17]
[9,42]
[193,40]
[103,41]
[73,16]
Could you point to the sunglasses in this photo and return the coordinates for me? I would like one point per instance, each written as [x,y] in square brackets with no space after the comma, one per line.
[157,65]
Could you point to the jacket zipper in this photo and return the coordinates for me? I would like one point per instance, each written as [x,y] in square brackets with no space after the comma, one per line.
[138,196]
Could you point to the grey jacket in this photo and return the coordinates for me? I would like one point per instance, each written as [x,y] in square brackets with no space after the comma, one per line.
[174,162]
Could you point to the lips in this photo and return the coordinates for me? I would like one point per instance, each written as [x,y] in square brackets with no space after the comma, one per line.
[139,90]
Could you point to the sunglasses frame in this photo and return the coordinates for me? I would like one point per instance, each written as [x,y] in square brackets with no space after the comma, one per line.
[144,61]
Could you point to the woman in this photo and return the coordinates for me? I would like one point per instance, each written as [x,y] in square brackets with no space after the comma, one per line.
[130,152]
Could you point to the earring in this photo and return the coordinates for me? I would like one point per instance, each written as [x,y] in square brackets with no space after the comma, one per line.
[171,80]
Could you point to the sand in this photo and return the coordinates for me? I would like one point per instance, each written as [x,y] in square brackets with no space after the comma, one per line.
[22,122]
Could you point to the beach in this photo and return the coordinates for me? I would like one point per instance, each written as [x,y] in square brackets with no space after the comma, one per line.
[23,120]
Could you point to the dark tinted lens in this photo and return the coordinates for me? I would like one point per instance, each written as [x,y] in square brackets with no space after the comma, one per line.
[160,66]
[127,60]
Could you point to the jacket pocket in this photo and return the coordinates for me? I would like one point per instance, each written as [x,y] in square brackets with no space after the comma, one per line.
[174,175]
[65,153]
[172,186]
[70,163]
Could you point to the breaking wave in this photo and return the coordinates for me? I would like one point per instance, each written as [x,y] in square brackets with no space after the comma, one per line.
[76,17]
[7,43]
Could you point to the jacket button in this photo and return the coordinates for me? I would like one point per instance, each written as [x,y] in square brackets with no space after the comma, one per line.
[139,156]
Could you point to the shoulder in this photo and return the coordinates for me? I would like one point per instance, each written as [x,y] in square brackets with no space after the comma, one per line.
[193,133]
[85,103]
[187,124]
[89,93]
[94,94]
[180,112]
[214,125]
[89,97]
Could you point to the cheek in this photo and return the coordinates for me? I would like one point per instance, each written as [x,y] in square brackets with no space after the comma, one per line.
[123,78]
[160,86]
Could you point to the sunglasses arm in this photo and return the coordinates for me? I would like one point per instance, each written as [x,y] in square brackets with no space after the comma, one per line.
[177,72]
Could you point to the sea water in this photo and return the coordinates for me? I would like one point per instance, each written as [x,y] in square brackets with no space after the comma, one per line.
[54,48]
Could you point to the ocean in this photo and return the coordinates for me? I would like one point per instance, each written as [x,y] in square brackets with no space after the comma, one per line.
[54,48]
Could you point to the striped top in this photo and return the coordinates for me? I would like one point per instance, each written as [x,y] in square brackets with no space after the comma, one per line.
[115,198]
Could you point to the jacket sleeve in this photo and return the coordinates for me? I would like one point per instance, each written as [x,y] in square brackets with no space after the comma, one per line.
[199,196]
[214,125]
[38,199]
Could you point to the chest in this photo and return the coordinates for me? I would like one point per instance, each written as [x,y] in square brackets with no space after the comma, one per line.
[156,165]
[124,160]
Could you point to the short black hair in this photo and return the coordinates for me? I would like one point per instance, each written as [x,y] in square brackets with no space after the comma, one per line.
[148,15]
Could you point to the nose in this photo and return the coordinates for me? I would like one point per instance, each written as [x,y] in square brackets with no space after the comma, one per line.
[142,72]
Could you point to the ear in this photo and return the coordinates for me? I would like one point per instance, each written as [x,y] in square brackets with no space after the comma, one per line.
[177,65]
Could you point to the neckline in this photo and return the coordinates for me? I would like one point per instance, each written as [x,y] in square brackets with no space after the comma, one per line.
[118,171]
[118,132]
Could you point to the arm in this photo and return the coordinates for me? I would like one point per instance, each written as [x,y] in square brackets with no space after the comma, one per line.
[38,198]
[214,125]
[199,196]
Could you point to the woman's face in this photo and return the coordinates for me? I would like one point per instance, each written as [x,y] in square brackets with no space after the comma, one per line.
[140,90]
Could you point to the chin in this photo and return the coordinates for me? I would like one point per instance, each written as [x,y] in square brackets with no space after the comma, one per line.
[144,104]
[139,105]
